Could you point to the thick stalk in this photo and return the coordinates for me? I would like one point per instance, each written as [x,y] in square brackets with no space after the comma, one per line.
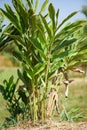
[46,87]
[33,102]
[47,72]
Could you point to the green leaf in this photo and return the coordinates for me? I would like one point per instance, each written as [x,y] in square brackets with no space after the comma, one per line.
[73,110]
[15,85]
[74,25]
[66,32]
[21,13]
[29,4]
[57,15]
[43,8]
[67,53]
[29,72]
[67,18]
[36,5]
[17,55]
[57,65]
[12,18]
[75,63]
[32,1]
[11,80]
[64,44]
[80,55]
[52,86]
[29,63]
[17,38]
[9,10]
[37,56]
[52,15]
[41,32]
[38,68]
[1,88]
[46,26]
[20,75]
[37,45]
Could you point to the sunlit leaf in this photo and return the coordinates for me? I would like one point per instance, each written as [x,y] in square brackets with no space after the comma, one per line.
[46,27]
[64,44]
[52,15]
[36,5]
[67,18]
[44,6]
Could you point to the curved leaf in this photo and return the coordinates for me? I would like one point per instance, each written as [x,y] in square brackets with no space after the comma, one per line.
[52,15]
[29,3]
[64,44]
[46,26]
[57,15]
[67,53]
[37,45]
[21,12]
[36,5]
[67,18]
[12,18]
[38,68]
[44,6]
[41,32]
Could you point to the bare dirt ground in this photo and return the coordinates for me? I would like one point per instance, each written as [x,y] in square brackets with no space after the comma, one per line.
[51,125]
[5,61]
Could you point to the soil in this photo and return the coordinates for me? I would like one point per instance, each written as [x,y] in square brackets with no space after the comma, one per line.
[51,125]
[5,62]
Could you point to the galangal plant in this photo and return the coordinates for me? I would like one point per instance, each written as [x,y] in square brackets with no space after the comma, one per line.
[46,49]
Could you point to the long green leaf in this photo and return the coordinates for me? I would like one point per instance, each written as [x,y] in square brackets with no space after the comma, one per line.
[67,53]
[57,65]
[41,32]
[29,3]
[67,32]
[74,63]
[52,16]
[80,55]
[57,15]
[37,45]
[67,18]
[36,5]
[38,68]
[74,24]
[21,13]
[18,38]
[17,55]
[13,19]
[46,26]
[37,56]
[20,75]
[29,72]
[64,44]
[43,8]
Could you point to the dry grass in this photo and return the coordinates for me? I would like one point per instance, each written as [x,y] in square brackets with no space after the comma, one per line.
[50,125]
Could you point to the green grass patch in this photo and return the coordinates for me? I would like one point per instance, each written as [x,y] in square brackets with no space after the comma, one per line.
[6,72]
[3,109]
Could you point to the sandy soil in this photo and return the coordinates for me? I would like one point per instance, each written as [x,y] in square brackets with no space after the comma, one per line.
[5,61]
